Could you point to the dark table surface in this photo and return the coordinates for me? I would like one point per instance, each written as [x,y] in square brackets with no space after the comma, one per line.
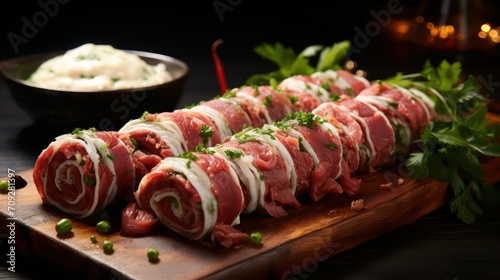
[437,246]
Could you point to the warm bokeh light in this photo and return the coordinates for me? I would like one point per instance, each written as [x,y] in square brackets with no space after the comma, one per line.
[361,73]
[403,28]
[454,30]
[485,27]
[446,33]
[489,32]
[350,64]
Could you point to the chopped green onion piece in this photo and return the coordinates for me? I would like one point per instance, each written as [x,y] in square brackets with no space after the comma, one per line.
[107,246]
[4,186]
[153,254]
[64,226]
[256,238]
[103,227]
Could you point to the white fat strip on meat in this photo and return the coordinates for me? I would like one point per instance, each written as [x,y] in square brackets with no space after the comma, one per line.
[333,130]
[275,143]
[423,99]
[257,102]
[297,85]
[217,118]
[404,132]
[366,132]
[237,105]
[247,173]
[167,130]
[330,75]
[95,147]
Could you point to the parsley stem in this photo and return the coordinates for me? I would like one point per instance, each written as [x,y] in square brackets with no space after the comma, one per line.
[437,94]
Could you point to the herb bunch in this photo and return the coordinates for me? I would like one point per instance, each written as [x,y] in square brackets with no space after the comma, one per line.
[451,146]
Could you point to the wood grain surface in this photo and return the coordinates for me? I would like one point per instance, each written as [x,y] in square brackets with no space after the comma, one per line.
[305,236]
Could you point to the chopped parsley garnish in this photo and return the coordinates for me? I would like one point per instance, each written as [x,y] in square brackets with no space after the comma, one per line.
[89,180]
[331,146]
[206,132]
[77,131]
[202,149]
[134,142]
[175,203]
[228,94]
[334,97]
[190,156]
[350,92]
[189,106]
[301,146]
[268,102]
[293,99]
[233,154]
[306,119]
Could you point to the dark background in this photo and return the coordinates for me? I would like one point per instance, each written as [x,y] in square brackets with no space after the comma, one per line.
[186,30]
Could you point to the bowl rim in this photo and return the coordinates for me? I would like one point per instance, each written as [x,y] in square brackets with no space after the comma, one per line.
[5,64]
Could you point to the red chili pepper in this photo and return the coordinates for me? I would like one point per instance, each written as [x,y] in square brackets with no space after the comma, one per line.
[221,77]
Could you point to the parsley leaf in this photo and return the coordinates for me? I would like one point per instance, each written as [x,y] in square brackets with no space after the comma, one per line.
[451,146]
[289,63]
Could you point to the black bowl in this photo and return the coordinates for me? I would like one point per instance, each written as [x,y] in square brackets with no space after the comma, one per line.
[103,110]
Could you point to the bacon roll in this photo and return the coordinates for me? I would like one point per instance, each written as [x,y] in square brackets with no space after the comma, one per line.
[83,172]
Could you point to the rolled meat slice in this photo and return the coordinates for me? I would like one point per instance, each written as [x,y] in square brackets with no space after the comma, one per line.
[83,172]
[320,87]
[265,168]
[157,136]
[161,135]
[351,134]
[262,170]
[377,130]
[413,109]
[322,141]
[192,193]
[342,82]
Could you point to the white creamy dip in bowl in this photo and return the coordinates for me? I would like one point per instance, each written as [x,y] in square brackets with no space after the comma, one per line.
[91,67]
[103,109]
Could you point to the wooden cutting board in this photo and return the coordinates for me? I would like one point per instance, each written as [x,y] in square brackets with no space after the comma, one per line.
[304,237]
[307,235]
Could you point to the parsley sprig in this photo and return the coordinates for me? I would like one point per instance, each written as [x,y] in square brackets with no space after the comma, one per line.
[289,63]
[451,147]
